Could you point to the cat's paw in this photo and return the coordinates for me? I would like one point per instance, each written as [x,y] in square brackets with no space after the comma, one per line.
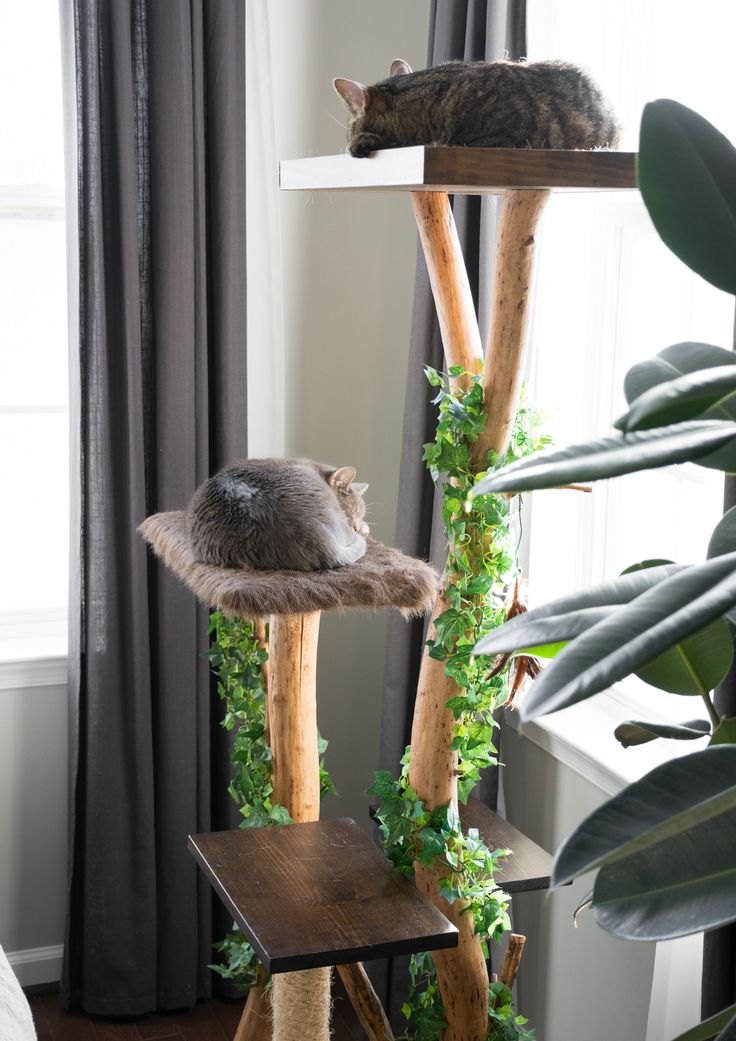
[362,146]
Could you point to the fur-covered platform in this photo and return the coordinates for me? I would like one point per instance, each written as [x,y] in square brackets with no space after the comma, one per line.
[385,577]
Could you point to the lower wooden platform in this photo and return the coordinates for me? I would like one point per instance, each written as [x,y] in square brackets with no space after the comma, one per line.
[528,868]
[321,893]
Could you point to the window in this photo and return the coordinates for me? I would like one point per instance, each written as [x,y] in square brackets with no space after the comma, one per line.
[33,336]
[610,294]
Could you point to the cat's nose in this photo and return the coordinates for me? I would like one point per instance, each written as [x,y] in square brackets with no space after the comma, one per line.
[364,529]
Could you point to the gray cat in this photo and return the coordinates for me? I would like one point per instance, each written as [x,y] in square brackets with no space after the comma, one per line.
[279,514]
[498,104]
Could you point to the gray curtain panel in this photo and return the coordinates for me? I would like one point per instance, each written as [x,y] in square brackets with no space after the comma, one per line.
[719,952]
[159,396]
[471,30]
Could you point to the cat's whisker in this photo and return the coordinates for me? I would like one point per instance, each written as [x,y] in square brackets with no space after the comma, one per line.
[337,121]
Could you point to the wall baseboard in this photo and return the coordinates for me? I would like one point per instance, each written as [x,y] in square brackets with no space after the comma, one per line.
[36,965]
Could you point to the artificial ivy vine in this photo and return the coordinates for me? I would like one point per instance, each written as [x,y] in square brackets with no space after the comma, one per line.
[480,563]
[237,657]
[481,560]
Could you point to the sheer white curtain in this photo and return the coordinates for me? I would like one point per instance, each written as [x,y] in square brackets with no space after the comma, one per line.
[266,366]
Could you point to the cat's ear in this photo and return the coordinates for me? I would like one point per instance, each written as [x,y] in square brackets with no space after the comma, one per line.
[361,489]
[399,67]
[342,478]
[354,95]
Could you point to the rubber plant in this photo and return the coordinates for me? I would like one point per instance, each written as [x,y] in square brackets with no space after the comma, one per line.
[664,849]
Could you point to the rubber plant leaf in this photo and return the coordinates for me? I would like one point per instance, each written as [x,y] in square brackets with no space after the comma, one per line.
[683,398]
[686,171]
[615,591]
[683,885]
[635,732]
[723,1024]
[672,362]
[528,635]
[630,638]
[663,804]
[723,538]
[695,664]
[613,456]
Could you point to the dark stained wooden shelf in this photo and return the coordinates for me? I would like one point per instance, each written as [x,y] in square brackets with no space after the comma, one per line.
[528,867]
[308,895]
[462,171]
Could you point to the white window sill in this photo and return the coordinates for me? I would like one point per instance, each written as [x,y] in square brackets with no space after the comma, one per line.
[33,663]
[582,738]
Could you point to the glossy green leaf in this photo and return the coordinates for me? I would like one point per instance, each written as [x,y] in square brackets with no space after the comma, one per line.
[635,732]
[663,804]
[725,733]
[613,456]
[619,590]
[683,885]
[672,362]
[636,634]
[709,1028]
[532,634]
[723,539]
[695,665]
[683,398]
[644,565]
[686,170]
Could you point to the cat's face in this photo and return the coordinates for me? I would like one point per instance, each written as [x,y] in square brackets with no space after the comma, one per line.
[372,122]
[350,497]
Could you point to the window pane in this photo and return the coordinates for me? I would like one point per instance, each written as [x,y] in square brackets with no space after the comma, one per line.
[34,467]
[30,94]
[33,320]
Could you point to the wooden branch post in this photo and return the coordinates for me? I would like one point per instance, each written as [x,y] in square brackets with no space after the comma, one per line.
[462,973]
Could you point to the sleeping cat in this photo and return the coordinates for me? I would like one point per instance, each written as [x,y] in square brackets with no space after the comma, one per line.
[497,104]
[279,514]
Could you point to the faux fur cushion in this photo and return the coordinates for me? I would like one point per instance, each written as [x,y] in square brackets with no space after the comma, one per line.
[385,577]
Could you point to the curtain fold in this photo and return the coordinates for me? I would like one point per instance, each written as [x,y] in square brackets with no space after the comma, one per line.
[158,372]
[471,30]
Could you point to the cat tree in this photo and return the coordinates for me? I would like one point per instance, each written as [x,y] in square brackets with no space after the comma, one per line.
[311,895]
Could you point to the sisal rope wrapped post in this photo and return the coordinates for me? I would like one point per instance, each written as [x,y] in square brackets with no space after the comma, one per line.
[301,1005]
[462,973]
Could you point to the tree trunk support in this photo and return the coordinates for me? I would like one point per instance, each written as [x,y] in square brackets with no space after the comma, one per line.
[462,972]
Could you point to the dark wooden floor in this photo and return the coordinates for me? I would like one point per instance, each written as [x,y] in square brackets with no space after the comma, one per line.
[208,1021]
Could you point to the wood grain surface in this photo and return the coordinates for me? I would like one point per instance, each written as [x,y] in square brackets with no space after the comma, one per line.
[462,171]
[528,867]
[315,894]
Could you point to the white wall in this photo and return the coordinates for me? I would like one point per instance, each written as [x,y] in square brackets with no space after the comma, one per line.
[33,829]
[581,983]
[348,268]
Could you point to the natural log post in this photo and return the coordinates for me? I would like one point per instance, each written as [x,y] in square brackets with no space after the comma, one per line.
[292,700]
[365,1002]
[519,213]
[292,703]
[448,278]
[462,973]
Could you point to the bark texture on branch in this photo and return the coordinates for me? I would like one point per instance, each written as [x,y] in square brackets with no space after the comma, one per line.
[365,1002]
[448,278]
[518,218]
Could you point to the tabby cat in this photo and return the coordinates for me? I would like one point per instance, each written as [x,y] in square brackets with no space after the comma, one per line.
[497,104]
[279,514]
